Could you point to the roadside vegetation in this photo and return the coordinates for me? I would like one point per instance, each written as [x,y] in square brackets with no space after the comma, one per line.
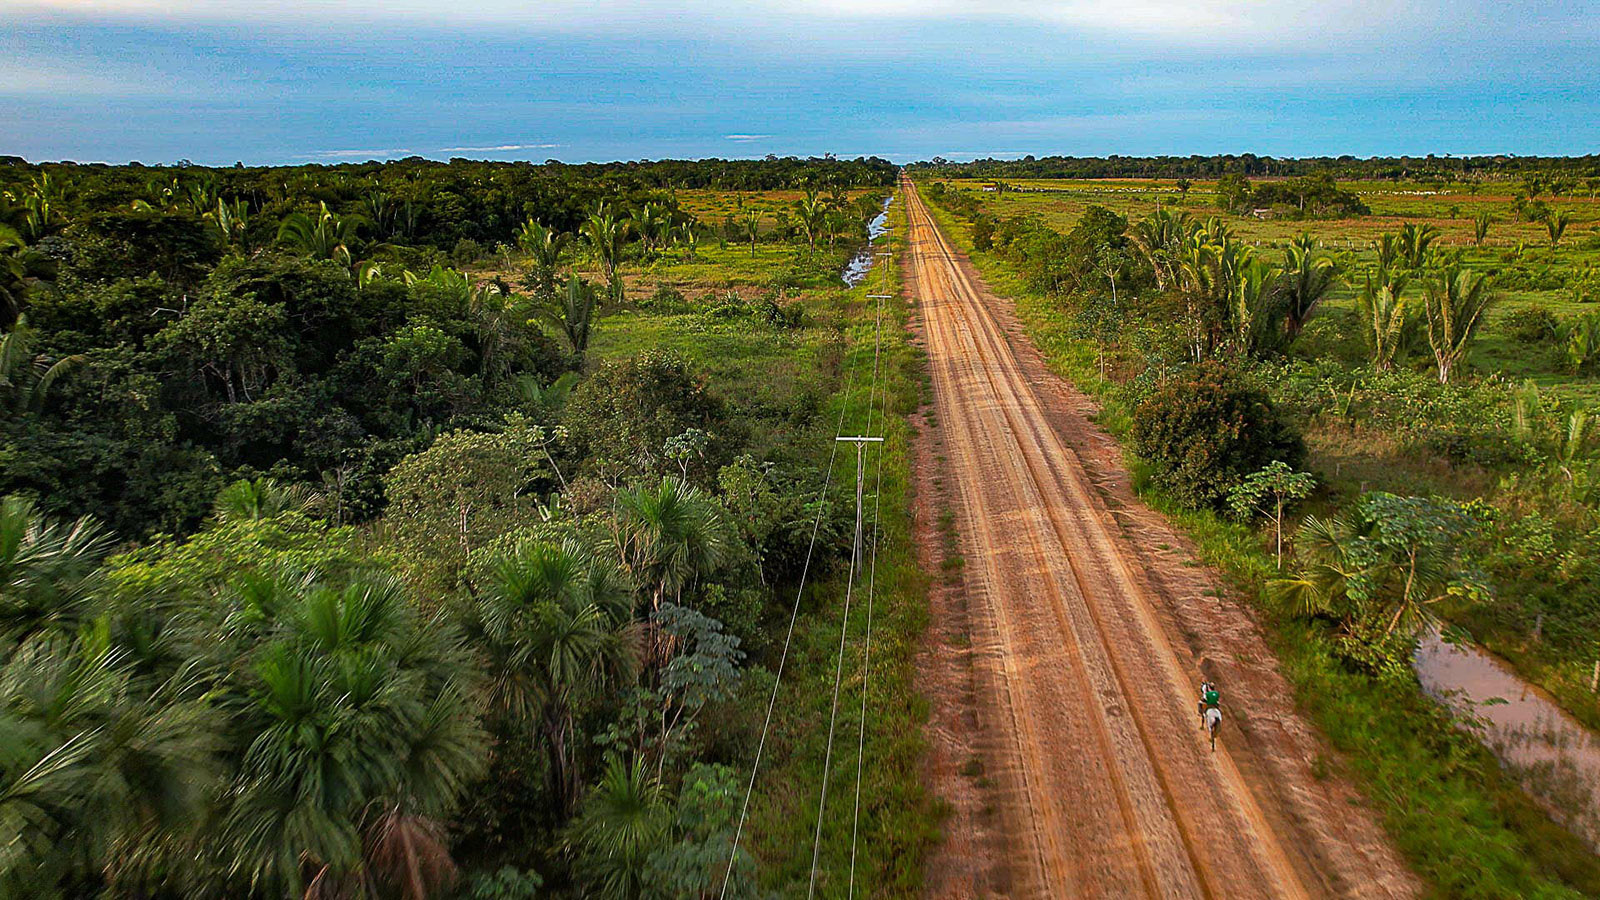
[1372,411]
[425,529]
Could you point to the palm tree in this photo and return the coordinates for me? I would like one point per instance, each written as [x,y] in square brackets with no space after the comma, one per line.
[325,235]
[558,630]
[232,220]
[48,571]
[379,209]
[500,320]
[689,239]
[813,213]
[1307,281]
[1385,318]
[42,206]
[1456,301]
[248,500]
[1480,227]
[545,246]
[1385,565]
[101,766]
[607,235]
[575,314]
[1415,242]
[1555,225]
[1159,239]
[1259,314]
[623,821]
[671,534]
[1207,274]
[358,737]
[1581,339]
[752,229]
[26,378]
[654,223]
[21,270]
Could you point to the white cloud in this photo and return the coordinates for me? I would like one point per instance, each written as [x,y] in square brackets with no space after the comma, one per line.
[34,77]
[501,148]
[745,137]
[1184,22]
[355,154]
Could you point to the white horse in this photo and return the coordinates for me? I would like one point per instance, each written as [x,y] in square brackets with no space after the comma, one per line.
[1213,721]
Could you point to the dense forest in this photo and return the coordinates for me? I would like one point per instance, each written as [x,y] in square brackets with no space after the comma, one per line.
[335,562]
[1583,171]
[301,323]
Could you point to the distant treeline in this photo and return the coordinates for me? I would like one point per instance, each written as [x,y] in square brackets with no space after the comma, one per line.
[1421,168]
[436,203]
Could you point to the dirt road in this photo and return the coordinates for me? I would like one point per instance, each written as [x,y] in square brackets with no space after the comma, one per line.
[1089,636]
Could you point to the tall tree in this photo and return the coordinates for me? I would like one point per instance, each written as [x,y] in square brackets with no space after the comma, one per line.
[1456,301]
[607,235]
[813,213]
[560,633]
[1307,281]
[545,246]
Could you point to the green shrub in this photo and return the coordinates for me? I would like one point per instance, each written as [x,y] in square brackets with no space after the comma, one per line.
[1205,429]
[1532,324]
[622,416]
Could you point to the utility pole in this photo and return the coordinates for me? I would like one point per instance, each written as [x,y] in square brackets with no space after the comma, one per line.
[861,443]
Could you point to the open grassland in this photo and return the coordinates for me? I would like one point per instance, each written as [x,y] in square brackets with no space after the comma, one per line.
[1451,208]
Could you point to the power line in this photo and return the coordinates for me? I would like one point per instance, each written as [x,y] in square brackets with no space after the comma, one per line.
[783,659]
[872,579]
[844,632]
[844,622]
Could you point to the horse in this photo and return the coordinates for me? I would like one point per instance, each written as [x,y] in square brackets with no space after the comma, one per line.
[1213,721]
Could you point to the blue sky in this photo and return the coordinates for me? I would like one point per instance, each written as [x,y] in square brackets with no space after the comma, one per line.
[289,81]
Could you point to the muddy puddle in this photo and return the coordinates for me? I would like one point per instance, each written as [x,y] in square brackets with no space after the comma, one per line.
[1553,755]
[862,263]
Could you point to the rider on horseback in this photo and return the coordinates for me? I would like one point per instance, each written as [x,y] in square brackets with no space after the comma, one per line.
[1210,706]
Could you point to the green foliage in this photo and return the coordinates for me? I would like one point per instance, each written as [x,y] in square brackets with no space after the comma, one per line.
[1379,570]
[1233,193]
[624,414]
[1206,429]
[48,572]
[1388,323]
[460,493]
[1308,196]
[1580,339]
[1267,492]
[1456,301]
[671,536]
[266,711]
[558,633]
